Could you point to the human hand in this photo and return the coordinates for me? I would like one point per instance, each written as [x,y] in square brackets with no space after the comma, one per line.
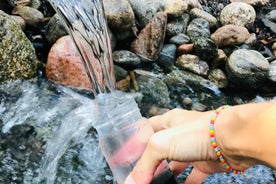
[182,137]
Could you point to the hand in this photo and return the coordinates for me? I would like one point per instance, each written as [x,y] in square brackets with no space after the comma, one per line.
[182,137]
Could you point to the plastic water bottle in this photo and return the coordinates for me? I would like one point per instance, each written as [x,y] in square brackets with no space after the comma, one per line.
[123,136]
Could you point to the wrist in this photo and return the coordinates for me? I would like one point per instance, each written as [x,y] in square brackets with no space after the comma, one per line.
[232,140]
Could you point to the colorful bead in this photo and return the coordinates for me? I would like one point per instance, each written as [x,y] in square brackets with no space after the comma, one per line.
[214,143]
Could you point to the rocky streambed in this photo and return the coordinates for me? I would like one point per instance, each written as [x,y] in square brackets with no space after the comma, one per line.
[168,53]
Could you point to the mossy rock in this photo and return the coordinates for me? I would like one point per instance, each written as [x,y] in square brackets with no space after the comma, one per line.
[17,55]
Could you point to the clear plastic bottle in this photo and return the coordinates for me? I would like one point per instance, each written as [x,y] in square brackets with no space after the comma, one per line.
[123,136]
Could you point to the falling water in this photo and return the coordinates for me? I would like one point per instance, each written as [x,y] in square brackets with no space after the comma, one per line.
[86,24]
[47,135]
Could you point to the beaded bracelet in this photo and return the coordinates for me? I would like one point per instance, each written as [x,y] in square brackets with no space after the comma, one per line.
[214,143]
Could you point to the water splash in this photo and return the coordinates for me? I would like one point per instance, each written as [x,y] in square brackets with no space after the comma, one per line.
[49,137]
[87,26]
[74,127]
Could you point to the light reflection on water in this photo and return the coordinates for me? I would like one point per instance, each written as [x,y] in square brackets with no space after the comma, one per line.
[60,121]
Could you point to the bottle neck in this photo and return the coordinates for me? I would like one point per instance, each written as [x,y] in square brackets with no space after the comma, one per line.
[115,111]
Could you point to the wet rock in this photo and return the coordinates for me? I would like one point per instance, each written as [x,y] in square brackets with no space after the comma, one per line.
[126,58]
[150,40]
[180,39]
[273,48]
[185,48]
[270,20]
[119,14]
[178,25]
[32,16]
[120,73]
[247,68]
[218,77]
[154,110]
[271,15]
[145,10]
[198,13]
[230,35]
[154,90]
[198,27]
[64,65]
[187,102]
[55,29]
[167,56]
[17,55]
[124,84]
[238,13]
[198,107]
[184,84]
[205,48]
[272,71]
[220,59]
[192,63]
[269,24]
[252,2]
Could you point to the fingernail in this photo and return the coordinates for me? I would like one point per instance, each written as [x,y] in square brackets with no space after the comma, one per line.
[130,180]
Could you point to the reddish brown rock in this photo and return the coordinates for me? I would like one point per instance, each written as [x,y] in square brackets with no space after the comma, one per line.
[185,48]
[64,65]
[149,42]
[124,84]
[229,35]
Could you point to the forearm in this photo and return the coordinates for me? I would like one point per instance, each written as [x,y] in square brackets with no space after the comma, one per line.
[246,134]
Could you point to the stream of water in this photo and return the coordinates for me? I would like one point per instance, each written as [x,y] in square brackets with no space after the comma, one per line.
[87,26]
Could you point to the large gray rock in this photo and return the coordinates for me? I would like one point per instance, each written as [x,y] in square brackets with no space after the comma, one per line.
[238,13]
[247,68]
[17,55]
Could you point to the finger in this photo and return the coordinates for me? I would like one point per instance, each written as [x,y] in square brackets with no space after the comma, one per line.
[196,177]
[178,167]
[166,145]
[154,154]
[172,118]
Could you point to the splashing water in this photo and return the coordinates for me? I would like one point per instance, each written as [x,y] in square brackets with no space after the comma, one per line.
[47,136]
[86,24]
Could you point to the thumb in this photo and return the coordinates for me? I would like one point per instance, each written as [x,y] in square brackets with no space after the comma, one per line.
[152,161]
